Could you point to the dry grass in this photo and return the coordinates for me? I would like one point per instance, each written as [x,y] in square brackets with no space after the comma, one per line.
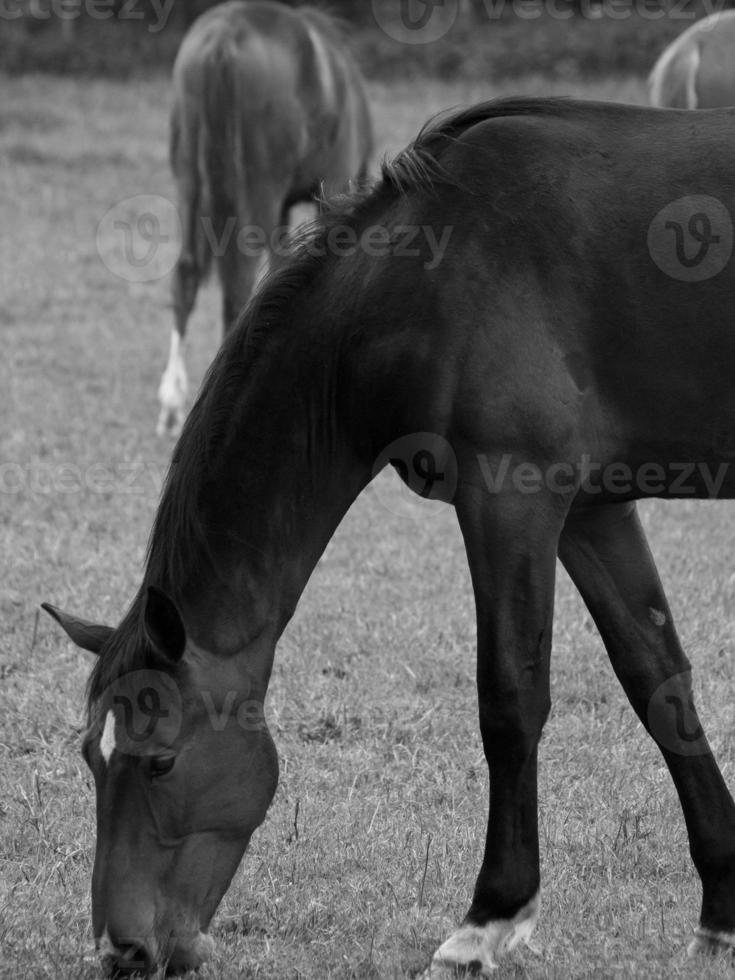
[372,701]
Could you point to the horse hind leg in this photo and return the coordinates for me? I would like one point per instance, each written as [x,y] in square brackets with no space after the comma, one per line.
[606,554]
[191,266]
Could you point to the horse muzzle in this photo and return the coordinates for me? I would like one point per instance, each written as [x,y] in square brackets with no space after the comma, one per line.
[143,957]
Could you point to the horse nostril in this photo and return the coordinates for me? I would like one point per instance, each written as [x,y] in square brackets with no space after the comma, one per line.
[130,959]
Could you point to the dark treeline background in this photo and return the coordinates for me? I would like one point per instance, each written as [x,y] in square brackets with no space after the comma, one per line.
[489,38]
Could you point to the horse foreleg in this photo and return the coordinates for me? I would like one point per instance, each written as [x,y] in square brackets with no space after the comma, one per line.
[606,554]
[511,546]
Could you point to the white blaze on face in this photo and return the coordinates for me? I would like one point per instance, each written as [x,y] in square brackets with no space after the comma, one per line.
[107,742]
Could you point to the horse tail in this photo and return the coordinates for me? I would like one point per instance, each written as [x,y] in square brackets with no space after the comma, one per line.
[224,153]
[186,157]
[224,160]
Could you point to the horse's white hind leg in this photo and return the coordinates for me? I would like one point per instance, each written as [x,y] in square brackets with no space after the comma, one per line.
[479,948]
[173,389]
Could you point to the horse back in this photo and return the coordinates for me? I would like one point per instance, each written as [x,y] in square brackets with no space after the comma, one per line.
[565,316]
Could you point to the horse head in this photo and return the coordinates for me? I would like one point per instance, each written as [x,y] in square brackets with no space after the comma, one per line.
[184,769]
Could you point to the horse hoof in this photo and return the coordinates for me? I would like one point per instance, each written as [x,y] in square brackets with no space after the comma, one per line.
[710,942]
[474,950]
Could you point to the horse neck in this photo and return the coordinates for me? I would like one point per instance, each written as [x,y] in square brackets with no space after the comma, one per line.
[268,496]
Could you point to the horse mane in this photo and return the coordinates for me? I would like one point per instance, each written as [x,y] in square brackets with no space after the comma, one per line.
[178,533]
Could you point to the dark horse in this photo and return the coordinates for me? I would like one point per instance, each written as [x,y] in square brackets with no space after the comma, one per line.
[560,363]
[268,109]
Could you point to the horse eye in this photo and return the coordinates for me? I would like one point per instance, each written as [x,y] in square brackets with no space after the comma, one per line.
[159,765]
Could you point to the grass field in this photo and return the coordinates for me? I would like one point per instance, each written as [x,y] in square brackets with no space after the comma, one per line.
[372,702]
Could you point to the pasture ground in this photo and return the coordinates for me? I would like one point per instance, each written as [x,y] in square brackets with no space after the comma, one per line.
[372,702]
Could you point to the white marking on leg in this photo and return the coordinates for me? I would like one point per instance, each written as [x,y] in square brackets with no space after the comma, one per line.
[173,388]
[484,945]
[107,742]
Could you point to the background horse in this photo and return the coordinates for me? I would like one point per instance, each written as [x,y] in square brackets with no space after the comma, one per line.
[269,107]
[555,359]
[697,70]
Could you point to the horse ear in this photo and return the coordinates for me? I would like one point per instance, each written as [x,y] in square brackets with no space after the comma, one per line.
[88,636]
[164,629]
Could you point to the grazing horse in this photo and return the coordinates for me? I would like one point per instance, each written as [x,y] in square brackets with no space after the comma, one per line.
[697,70]
[268,109]
[509,317]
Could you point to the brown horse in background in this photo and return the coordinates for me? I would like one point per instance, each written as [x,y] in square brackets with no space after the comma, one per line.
[697,70]
[269,108]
